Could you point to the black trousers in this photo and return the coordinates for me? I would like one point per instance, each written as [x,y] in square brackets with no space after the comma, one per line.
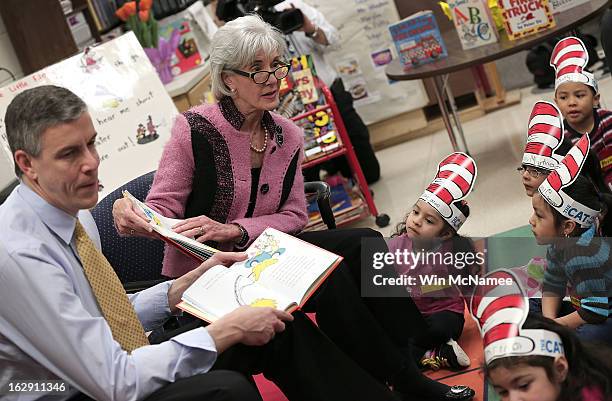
[220,385]
[306,366]
[372,331]
[359,344]
[360,139]
[441,327]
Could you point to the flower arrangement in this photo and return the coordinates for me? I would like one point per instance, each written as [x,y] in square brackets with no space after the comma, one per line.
[139,18]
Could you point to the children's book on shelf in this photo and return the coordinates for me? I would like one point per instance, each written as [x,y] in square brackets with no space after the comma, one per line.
[300,90]
[280,271]
[526,17]
[474,22]
[301,95]
[163,228]
[320,133]
[418,39]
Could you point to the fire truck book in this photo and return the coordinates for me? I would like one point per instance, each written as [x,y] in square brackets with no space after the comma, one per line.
[163,228]
[280,271]
[474,23]
[418,39]
[526,17]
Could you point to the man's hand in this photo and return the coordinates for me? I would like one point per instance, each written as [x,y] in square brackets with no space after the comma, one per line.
[178,287]
[130,220]
[248,325]
[314,32]
[206,229]
[308,27]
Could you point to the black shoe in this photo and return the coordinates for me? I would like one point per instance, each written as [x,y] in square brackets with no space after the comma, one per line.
[459,393]
[455,393]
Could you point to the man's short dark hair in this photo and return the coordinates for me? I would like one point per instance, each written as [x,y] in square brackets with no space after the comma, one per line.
[35,110]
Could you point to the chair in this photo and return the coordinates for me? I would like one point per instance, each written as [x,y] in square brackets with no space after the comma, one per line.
[321,191]
[7,190]
[138,261]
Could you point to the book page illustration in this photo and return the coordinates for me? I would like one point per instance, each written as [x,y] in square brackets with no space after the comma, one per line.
[263,253]
[282,264]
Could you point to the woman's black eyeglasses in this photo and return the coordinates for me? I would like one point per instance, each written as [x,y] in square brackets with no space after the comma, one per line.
[261,77]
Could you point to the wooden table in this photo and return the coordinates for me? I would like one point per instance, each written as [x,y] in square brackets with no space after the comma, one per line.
[459,59]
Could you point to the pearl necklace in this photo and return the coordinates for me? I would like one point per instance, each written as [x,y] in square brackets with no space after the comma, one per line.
[265,145]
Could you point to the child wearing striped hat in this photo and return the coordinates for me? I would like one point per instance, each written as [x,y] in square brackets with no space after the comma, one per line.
[544,137]
[546,145]
[566,214]
[532,358]
[431,226]
[576,94]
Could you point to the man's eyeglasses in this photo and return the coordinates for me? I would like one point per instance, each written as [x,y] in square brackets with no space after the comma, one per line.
[261,77]
[532,171]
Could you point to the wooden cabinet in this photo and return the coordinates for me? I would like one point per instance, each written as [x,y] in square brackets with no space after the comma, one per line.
[38,31]
[191,88]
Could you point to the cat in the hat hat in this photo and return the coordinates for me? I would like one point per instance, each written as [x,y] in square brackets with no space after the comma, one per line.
[544,138]
[577,95]
[569,216]
[531,358]
[546,145]
[431,226]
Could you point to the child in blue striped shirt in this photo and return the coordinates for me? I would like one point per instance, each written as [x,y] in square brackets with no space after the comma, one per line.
[578,259]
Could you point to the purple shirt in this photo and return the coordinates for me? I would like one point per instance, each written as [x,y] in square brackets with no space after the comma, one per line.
[447,299]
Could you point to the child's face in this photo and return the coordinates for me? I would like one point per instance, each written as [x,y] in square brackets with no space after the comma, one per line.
[576,102]
[524,383]
[424,222]
[532,178]
[542,221]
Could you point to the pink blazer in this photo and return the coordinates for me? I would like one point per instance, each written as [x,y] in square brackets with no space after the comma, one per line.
[174,178]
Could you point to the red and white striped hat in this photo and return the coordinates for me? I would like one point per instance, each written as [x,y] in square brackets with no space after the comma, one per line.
[544,136]
[565,174]
[453,182]
[569,59]
[500,311]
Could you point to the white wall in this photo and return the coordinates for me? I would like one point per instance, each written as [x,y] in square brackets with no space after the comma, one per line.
[8,59]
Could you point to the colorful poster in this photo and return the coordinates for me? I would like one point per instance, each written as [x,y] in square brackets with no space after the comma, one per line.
[129,106]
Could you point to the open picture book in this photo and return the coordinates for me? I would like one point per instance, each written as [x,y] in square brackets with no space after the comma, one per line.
[281,271]
[163,227]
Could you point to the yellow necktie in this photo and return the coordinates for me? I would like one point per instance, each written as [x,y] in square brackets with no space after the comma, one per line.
[112,299]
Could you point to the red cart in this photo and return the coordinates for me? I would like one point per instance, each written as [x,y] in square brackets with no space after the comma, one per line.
[329,145]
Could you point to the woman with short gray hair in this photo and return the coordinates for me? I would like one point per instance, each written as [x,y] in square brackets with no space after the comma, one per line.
[231,169]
